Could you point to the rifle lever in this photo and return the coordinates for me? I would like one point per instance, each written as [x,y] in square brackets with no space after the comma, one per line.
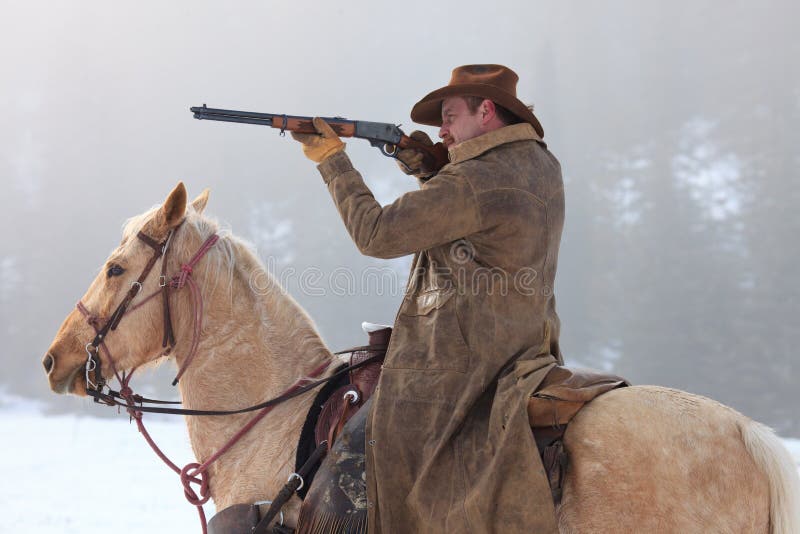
[387,149]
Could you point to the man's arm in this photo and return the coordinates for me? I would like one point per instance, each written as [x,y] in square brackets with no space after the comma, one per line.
[443,210]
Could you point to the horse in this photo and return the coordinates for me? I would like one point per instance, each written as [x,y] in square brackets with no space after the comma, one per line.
[641,458]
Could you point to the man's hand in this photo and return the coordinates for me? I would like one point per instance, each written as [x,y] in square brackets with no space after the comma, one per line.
[410,159]
[322,145]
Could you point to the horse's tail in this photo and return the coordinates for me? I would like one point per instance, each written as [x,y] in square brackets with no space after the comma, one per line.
[784,483]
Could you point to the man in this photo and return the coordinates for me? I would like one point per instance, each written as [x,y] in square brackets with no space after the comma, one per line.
[449,447]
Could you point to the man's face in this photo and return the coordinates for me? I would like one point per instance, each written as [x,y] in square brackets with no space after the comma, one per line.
[458,124]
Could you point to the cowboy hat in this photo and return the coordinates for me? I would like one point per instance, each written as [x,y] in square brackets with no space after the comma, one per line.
[493,82]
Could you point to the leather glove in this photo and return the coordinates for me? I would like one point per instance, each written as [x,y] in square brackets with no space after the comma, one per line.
[410,159]
[322,145]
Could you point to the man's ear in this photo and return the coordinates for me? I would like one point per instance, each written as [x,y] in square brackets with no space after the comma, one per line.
[174,209]
[489,111]
[199,204]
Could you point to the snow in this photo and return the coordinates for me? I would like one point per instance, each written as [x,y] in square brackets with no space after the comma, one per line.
[271,233]
[65,474]
[713,177]
[68,473]
[628,201]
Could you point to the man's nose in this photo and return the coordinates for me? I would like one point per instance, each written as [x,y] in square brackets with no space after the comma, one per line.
[442,132]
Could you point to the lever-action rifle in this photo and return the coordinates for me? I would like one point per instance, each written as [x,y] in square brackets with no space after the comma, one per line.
[385,136]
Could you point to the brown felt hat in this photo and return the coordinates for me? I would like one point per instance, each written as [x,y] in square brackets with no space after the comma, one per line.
[493,82]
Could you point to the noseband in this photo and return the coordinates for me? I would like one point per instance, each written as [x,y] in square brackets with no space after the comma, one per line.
[160,249]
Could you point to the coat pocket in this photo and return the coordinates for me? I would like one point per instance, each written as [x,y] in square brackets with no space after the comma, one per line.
[427,301]
[427,334]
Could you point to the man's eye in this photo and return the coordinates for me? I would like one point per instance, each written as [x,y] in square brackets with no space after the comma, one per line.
[114,270]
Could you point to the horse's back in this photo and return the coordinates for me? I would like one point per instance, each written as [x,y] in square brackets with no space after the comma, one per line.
[653,459]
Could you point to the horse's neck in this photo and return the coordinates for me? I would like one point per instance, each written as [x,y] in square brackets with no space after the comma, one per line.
[254,346]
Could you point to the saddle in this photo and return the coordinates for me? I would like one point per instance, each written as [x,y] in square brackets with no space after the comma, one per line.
[561,395]
[347,399]
[337,502]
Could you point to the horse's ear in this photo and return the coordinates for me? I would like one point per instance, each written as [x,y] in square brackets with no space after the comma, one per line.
[172,212]
[199,204]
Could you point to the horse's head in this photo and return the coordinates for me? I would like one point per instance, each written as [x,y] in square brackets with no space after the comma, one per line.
[138,338]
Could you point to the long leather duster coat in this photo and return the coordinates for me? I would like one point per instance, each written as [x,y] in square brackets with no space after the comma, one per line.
[449,446]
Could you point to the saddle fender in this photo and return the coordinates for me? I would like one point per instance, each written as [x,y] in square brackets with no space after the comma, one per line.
[337,500]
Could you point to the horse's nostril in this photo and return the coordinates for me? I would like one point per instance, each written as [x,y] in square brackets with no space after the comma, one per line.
[48,363]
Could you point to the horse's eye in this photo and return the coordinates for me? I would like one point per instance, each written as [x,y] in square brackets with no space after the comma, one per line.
[114,270]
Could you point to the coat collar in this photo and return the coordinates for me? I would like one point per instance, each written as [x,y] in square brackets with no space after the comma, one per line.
[472,148]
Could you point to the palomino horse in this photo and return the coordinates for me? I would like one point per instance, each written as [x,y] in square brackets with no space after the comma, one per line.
[642,459]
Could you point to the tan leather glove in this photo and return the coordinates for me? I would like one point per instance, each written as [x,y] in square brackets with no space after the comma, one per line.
[321,146]
[410,159]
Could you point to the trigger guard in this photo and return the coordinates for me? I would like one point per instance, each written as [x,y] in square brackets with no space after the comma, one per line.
[387,152]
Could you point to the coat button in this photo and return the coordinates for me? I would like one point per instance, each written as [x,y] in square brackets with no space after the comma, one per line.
[372,442]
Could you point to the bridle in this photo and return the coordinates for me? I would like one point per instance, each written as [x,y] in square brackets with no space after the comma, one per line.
[93,361]
[180,280]
[192,473]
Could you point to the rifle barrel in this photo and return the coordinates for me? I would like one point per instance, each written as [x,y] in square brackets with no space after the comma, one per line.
[232,113]
[203,112]
[225,118]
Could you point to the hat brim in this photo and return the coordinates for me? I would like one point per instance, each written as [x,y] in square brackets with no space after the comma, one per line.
[429,110]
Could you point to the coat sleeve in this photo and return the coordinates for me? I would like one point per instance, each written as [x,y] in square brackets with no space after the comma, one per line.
[443,210]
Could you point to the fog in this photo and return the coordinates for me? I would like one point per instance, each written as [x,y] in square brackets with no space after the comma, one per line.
[676,125]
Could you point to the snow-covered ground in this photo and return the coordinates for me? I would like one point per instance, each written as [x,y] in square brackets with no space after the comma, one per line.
[71,474]
[65,474]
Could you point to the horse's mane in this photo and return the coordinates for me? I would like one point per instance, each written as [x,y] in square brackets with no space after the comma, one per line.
[229,255]
[221,260]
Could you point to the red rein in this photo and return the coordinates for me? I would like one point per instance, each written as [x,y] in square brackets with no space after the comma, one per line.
[196,473]
[192,473]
